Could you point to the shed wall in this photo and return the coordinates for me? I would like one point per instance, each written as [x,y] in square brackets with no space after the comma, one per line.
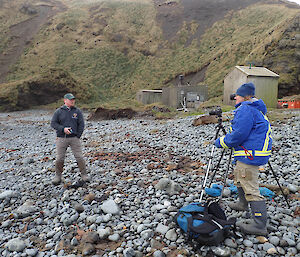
[231,83]
[173,96]
[149,97]
[170,97]
[266,87]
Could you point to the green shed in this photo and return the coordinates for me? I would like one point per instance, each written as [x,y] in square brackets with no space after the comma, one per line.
[265,81]
[148,96]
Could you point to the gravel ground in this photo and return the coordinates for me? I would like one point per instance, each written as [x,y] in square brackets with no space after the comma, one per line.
[127,210]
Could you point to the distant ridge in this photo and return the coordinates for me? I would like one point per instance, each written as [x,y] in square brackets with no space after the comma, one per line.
[115,48]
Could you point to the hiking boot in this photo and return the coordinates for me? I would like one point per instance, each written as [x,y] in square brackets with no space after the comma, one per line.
[257,226]
[59,165]
[57,179]
[84,176]
[238,206]
[241,204]
[82,168]
[253,228]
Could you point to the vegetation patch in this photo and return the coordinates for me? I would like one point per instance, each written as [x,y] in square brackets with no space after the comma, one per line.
[45,89]
[116,48]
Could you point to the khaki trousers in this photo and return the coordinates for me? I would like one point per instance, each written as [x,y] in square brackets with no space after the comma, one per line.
[246,176]
[62,144]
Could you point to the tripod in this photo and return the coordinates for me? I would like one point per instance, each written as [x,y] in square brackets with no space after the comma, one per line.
[219,127]
[284,195]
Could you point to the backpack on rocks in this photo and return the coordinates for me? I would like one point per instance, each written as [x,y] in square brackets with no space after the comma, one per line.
[204,223]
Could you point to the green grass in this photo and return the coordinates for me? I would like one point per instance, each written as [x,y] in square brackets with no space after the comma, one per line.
[9,16]
[117,47]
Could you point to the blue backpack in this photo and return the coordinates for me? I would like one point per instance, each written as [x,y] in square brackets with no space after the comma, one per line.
[204,223]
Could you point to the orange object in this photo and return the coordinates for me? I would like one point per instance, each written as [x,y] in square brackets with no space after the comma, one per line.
[294,104]
[283,103]
[290,104]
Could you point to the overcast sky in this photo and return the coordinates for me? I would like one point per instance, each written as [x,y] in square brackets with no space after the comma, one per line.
[295,1]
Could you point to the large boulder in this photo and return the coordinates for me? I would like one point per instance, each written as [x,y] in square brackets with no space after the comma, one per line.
[169,186]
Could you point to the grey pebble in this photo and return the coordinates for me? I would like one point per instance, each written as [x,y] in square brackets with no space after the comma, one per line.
[230,243]
[114,237]
[15,244]
[158,253]
[274,240]
[31,252]
[129,252]
[135,201]
[247,243]
[267,246]
[221,251]
[249,254]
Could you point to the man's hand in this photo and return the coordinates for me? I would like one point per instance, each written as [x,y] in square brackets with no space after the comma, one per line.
[68,131]
[217,143]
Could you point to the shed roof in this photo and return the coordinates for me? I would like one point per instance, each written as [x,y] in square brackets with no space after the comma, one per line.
[152,90]
[257,71]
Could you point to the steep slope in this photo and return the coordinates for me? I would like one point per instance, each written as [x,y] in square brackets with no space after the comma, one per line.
[283,57]
[16,33]
[119,47]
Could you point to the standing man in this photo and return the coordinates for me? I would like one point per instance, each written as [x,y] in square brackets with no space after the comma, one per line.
[251,139]
[69,125]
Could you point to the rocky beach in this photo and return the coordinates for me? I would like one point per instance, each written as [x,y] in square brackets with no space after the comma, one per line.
[142,171]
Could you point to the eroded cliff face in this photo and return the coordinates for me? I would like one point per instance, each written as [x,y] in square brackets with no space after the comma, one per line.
[41,90]
[171,15]
[283,57]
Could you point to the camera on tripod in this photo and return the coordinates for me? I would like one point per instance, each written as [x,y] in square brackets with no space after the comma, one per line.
[217,112]
[232,96]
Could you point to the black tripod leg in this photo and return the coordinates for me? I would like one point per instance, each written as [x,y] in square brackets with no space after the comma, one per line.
[209,164]
[285,197]
[216,168]
[226,174]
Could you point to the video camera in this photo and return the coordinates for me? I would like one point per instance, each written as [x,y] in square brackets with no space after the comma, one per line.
[217,112]
[232,96]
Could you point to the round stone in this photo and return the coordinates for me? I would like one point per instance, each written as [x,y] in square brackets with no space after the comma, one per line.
[15,245]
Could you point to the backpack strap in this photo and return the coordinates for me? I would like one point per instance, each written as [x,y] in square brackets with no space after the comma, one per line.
[215,209]
[233,230]
[207,227]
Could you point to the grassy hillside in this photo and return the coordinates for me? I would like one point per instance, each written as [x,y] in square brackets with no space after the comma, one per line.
[117,47]
[9,16]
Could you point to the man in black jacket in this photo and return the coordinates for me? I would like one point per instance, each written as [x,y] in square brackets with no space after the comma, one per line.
[69,125]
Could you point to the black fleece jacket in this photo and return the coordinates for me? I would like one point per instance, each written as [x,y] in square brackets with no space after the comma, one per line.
[68,117]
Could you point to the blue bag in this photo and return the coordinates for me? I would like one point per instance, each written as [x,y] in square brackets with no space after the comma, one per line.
[215,190]
[267,192]
[233,189]
[264,191]
[204,223]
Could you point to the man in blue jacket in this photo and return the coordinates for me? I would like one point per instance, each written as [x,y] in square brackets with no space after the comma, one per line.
[69,125]
[250,138]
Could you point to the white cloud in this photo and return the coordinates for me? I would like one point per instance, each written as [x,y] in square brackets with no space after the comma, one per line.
[295,1]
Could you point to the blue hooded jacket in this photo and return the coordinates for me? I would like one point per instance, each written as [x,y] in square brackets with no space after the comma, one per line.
[250,133]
